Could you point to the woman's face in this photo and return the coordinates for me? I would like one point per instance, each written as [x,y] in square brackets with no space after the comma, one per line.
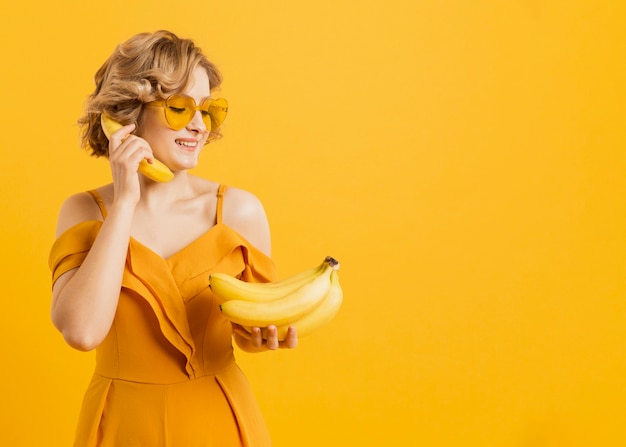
[178,149]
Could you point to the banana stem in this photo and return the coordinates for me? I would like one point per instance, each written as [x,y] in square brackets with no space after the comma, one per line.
[332,262]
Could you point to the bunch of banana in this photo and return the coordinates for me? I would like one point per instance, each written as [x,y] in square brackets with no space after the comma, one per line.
[156,171]
[307,300]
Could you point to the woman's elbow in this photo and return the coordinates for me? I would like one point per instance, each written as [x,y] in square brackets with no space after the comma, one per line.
[80,342]
[81,339]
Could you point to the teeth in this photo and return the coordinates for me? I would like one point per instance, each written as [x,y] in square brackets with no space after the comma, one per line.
[187,143]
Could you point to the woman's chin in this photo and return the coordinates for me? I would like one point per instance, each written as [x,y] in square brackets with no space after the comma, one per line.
[183,163]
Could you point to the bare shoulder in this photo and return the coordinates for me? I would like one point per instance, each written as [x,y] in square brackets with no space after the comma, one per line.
[77,208]
[242,204]
[244,212]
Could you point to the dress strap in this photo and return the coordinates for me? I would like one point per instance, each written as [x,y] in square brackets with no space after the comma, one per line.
[99,202]
[220,201]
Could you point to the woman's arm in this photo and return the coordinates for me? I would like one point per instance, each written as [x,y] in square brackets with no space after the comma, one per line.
[244,213]
[84,300]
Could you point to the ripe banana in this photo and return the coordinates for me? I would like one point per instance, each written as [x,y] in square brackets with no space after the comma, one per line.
[284,310]
[318,317]
[228,287]
[156,171]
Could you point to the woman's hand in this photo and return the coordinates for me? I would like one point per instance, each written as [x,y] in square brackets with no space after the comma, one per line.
[126,151]
[254,342]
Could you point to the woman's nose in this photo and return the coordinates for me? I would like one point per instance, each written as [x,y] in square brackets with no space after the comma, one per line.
[197,123]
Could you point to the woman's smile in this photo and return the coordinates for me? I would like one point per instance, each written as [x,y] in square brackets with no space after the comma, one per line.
[187,144]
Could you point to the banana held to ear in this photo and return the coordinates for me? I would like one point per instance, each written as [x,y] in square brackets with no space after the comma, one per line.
[230,288]
[285,310]
[156,171]
[318,317]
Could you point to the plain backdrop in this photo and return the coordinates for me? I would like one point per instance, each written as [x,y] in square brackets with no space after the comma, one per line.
[463,160]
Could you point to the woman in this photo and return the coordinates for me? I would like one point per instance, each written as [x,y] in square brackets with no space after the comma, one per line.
[132,260]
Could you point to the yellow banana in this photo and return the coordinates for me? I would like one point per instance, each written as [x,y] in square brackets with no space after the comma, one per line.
[284,310]
[318,317]
[230,288]
[156,171]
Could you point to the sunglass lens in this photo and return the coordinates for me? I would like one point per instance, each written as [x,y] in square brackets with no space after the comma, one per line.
[217,112]
[179,111]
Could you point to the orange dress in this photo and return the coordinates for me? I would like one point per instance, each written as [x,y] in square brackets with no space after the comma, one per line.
[166,375]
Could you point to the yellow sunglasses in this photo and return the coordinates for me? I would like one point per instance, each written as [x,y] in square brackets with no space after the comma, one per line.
[180,109]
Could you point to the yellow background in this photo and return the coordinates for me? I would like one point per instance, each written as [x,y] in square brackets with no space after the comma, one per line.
[464,160]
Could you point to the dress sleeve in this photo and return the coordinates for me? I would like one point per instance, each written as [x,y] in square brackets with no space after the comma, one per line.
[258,266]
[71,248]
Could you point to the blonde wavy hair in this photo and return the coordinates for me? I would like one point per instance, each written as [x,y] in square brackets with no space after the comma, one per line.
[147,67]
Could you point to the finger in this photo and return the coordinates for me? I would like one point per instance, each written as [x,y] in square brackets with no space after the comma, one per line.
[121,150]
[272,337]
[291,340]
[133,151]
[121,135]
[241,331]
[256,337]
